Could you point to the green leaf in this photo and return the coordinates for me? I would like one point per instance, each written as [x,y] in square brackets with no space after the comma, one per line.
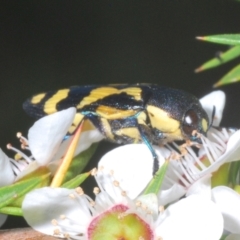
[229,39]
[223,237]
[156,182]
[15,211]
[224,57]
[234,173]
[75,182]
[12,195]
[79,162]
[231,77]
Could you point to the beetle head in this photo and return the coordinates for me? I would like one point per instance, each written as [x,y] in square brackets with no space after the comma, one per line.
[195,120]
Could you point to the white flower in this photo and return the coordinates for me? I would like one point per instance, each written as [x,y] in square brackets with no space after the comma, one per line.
[72,214]
[214,99]
[181,173]
[221,146]
[191,218]
[194,217]
[7,175]
[228,201]
[225,199]
[46,145]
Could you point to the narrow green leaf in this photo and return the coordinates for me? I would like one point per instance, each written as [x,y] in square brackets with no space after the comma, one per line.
[9,195]
[15,211]
[223,237]
[231,77]
[75,182]
[224,57]
[156,182]
[229,39]
[234,173]
[79,162]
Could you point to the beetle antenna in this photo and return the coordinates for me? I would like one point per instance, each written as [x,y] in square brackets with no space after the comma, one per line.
[213,115]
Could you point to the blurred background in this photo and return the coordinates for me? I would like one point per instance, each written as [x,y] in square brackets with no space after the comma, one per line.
[48,45]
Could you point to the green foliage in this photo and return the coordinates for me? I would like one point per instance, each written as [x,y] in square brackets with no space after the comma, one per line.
[234,52]
[76,181]
[11,197]
[230,77]
[221,59]
[16,211]
[156,182]
[234,174]
[227,39]
[79,162]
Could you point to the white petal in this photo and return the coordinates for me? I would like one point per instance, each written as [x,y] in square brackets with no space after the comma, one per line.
[232,153]
[191,218]
[29,169]
[7,176]
[43,205]
[228,202]
[3,219]
[217,99]
[173,193]
[132,166]
[46,134]
[172,189]
[87,138]
[233,237]
[201,187]
[233,147]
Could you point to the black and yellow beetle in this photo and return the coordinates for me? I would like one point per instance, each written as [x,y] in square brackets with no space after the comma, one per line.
[128,113]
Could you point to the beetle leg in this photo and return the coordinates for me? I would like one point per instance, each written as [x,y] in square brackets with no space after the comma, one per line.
[145,133]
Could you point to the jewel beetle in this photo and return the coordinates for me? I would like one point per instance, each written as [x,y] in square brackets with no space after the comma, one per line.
[125,113]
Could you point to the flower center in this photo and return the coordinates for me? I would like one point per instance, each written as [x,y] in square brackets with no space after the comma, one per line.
[118,224]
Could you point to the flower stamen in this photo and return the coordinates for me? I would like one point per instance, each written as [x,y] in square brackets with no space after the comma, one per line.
[192,165]
[22,139]
[20,153]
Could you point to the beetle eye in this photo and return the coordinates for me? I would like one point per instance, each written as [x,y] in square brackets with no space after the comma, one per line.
[190,122]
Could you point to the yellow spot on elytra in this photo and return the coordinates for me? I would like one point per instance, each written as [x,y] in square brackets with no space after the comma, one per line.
[78,118]
[102,92]
[36,99]
[133,91]
[51,103]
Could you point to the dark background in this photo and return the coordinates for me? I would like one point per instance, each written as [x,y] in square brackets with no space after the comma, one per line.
[47,45]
